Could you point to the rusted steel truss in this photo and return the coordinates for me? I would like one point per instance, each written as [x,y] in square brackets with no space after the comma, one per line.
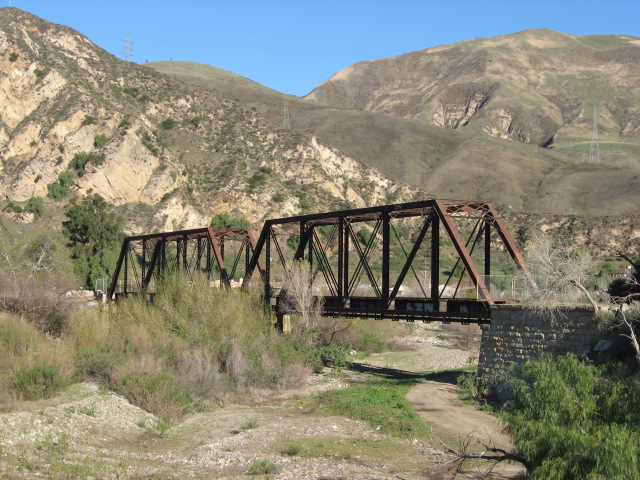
[342,257]
[201,251]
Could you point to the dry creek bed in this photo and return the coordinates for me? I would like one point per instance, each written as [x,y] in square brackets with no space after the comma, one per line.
[90,433]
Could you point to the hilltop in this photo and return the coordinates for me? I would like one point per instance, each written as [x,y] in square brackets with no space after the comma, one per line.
[176,153]
[176,142]
[507,119]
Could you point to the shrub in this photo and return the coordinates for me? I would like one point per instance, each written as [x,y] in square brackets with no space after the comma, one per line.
[81,159]
[12,207]
[35,205]
[100,140]
[89,120]
[187,347]
[60,188]
[13,56]
[159,393]
[17,338]
[262,467]
[572,420]
[40,381]
[292,450]
[168,124]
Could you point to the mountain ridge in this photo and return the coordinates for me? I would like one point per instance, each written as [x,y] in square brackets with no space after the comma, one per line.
[134,135]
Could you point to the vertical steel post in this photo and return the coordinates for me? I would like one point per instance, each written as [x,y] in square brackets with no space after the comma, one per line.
[340,260]
[184,255]
[345,264]
[487,248]
[435,257]
[386,250]
[267,268]
[209,266]
[247,256]
[126,268]
[310,233]
[144,262]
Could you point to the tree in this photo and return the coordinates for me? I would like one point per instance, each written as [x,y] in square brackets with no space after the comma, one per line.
[297,296]
[224,220]
[557,274]
[33,276]
[95,233]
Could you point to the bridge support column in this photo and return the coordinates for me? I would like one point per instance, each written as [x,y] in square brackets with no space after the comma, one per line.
[516,334]
[283,323]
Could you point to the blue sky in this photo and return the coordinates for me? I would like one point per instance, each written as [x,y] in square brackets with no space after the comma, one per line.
[292,46]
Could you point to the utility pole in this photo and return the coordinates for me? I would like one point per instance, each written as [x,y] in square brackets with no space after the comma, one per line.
[594,153]
[126,49]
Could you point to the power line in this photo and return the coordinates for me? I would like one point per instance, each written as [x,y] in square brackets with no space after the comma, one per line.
[594,153]
[127,49]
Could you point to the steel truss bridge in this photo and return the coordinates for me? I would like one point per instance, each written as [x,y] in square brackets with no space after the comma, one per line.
[427,260]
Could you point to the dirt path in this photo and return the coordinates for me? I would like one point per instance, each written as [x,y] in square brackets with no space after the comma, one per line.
[437,402]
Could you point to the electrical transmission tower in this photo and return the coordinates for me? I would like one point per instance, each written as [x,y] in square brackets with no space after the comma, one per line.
[126,49]
[286,120]
[594,153]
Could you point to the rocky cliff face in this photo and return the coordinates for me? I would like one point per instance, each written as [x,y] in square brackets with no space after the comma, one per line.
[531,86]
[133,135]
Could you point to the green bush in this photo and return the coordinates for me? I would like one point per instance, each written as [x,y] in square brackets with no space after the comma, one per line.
[80,160]
[334,355]
[35,205]
[89,120]
[60,188]
[100,140]
[262,467]
[159,393]
[168,124]
[96,362]
[12,207]
[573,420]
[40,381]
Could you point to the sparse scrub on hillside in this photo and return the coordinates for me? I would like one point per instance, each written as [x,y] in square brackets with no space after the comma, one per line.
[100,140]
[35,205]
[60,188]
[80,160]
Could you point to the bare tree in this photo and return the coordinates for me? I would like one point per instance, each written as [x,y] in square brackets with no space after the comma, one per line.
[297,294]
[557,274]
[627,315]
[470,449]
[33,275]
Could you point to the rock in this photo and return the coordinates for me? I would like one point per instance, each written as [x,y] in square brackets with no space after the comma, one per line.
[603,345]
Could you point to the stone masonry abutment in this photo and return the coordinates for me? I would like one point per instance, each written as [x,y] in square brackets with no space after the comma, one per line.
[518,333]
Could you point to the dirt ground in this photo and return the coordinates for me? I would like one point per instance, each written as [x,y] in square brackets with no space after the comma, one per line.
[90,433]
